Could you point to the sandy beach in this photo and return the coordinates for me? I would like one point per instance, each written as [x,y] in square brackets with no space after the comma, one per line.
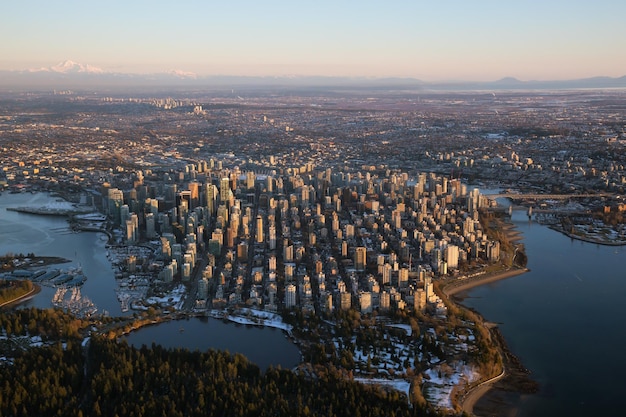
[464,285]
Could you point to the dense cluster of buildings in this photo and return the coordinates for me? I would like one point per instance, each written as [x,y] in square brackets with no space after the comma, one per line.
[556,142]
[315,201]
[316,240]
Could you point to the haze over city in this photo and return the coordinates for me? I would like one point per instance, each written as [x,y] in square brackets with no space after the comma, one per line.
[276,208]
[430,41]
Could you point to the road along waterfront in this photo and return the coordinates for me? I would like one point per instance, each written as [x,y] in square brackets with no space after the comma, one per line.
[34,291]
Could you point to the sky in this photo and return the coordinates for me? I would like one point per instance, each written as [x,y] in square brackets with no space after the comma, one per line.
[434,40]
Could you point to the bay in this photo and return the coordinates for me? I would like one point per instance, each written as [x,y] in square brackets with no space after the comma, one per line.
[564,321]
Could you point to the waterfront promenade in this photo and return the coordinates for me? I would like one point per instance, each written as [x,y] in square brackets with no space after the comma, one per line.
[468,401]
[34,291]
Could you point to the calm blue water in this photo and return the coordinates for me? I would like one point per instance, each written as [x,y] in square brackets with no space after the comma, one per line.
[564,320]
[50,236]
[262,346]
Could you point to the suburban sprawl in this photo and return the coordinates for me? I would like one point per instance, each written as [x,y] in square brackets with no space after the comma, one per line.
[347,219]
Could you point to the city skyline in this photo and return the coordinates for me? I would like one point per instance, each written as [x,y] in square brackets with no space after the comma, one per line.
[552,40]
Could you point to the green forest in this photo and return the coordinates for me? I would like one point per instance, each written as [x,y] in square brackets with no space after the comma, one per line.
[67,377]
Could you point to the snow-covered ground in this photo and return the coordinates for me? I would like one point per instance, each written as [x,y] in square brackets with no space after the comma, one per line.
[174,298]
[439,382]
[94,217]
[24,343]
[399,356]
[255,317]
[57,207]
[36,341]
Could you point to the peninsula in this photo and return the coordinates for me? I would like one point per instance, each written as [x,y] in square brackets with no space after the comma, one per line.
[352,220]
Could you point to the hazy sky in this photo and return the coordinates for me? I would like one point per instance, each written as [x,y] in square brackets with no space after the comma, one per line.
[431,40]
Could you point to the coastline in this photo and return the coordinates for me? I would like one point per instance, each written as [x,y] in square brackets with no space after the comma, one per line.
[495,395]
[486,397]
[502,395]
[469,283]
[34,291]
[586,239]
[512,368]
[38,261]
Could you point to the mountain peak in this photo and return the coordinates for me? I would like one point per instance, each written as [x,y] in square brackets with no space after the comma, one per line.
[70,67]
[182,74]
[509,80]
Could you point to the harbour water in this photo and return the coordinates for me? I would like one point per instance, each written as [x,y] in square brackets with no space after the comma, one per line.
[51,236]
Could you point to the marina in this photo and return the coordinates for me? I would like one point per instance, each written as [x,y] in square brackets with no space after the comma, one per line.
[51,278]
[66,284]
[76,303]
[61,250]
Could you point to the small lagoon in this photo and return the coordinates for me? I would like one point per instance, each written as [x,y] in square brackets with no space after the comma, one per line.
[264,346]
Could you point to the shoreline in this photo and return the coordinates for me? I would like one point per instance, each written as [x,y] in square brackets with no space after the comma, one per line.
[34,291]
[456,287]
[585,239]
[511,366]
[38,261]
[499,395]
[514,376]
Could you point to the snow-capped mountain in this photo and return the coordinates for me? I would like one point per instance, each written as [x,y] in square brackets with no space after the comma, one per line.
[71,67]
[183,74]
[70,74]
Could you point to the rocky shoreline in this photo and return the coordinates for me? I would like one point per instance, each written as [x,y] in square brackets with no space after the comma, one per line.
[504,394]
[497,397]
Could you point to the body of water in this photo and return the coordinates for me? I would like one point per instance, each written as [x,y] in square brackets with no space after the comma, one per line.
[51,236]
[263,346]
[564,320]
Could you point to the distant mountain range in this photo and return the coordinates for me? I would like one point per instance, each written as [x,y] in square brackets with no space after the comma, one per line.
[70,74]
[69,67]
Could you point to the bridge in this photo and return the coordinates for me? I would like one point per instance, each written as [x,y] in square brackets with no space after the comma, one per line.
[515,196]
